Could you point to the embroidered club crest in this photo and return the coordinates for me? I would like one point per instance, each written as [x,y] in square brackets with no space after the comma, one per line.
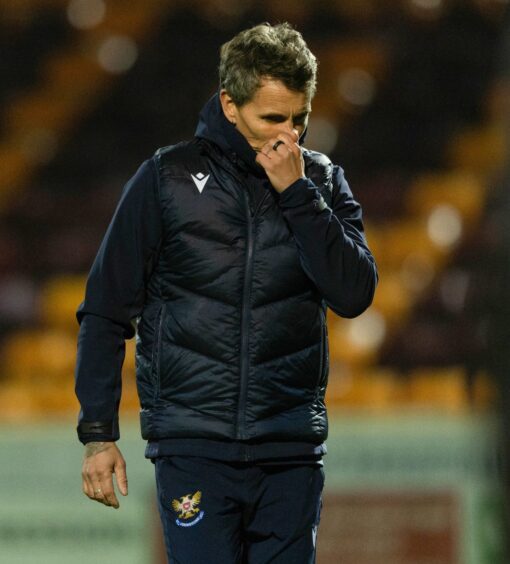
[187,508]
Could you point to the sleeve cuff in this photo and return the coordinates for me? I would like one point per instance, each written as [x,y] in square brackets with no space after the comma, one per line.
[89,431]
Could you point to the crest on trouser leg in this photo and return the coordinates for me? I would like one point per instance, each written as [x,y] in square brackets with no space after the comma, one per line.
[188,510]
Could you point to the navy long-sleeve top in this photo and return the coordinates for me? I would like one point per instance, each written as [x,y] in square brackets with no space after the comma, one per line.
[115,290]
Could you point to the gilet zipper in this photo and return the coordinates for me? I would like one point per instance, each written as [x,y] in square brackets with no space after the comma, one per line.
[244,364]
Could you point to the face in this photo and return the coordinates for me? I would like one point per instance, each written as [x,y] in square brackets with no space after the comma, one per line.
[273,109]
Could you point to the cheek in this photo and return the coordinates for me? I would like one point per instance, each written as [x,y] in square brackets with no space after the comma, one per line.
[263,132]
[268,132]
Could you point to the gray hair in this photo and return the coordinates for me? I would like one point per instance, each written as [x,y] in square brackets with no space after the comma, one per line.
[266,51]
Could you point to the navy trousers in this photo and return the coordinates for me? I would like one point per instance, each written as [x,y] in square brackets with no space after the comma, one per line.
[216,512]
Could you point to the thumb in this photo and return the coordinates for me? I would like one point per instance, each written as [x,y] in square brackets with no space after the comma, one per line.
[121,477]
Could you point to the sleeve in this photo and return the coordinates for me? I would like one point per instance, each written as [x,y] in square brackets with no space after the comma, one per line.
[332,244]
[114,296]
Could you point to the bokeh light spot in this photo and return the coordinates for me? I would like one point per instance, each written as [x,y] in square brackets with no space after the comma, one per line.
[86,14]
[117,54]
[444,226]
[356,86]
[367,331]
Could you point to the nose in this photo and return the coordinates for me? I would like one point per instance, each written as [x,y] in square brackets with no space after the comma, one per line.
[288,127]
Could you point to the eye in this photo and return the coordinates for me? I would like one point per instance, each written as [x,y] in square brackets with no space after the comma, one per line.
[300,120]
[274,119]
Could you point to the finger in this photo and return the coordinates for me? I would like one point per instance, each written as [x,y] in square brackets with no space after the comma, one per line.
[98,491]
[263,160]
[88,488]
[268,154]
[279,146]
[93,483]
[121,477]
[266,150]
[273,145]
[288,138]
[290,143]
[94,480]
[107,491]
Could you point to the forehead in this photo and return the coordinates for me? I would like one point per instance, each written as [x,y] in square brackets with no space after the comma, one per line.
[273,96]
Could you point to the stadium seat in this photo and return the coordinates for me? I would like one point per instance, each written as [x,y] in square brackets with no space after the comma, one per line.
[460,189]
[59,300]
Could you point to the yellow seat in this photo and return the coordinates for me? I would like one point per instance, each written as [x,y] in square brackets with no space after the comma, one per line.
[372,389]
[39,369]
[76,76]
[18,402]
[392,297]
[37,356]
[41,109]
[482,150]
[443,388]
[408,238]
[60,298]
[134,19]
[16,170]
[343,349]
[460,189]
[338,57]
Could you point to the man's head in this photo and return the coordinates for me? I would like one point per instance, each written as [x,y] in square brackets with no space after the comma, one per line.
[267,80]
[264,51]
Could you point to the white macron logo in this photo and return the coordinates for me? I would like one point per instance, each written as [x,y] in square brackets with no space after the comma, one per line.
[200,180]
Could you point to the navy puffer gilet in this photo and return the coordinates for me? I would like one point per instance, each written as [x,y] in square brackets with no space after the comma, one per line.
[232,341]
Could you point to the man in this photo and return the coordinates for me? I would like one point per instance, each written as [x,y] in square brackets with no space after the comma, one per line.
[226,250]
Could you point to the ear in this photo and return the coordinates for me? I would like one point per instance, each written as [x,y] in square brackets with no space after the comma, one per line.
[228,106]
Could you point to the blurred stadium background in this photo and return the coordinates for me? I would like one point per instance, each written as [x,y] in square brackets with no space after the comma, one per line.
[414,102]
